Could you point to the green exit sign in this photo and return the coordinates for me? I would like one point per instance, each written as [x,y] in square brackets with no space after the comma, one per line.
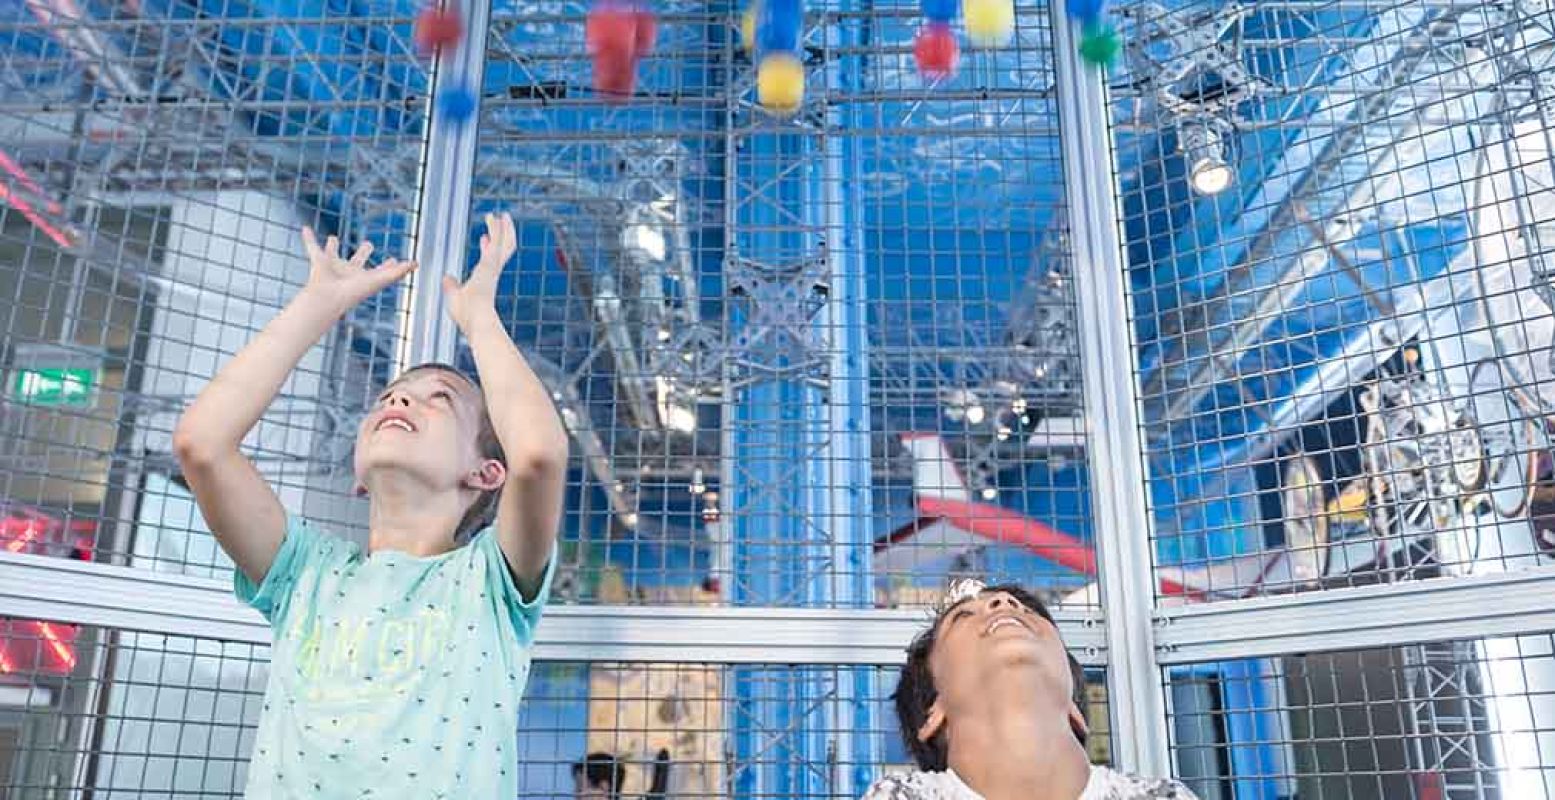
[53,387]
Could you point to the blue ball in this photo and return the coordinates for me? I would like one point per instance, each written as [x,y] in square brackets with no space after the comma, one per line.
[456,103]
[1084,10]
[777,26]
[941,10]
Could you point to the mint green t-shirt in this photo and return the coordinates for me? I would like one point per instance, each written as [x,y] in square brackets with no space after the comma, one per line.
[391,676]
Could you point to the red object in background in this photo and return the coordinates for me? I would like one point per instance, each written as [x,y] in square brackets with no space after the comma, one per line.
[614,76]
[647,31]
[32,647]
[1430,786]
[935,50]
[618,35]
[437,28]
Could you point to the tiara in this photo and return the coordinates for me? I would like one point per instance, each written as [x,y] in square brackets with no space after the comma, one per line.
[960,590]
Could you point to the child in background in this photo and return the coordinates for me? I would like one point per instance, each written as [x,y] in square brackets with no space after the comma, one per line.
[396,669]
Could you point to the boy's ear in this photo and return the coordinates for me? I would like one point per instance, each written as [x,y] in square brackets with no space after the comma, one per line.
[490,475]
[933,724]
[1078,723]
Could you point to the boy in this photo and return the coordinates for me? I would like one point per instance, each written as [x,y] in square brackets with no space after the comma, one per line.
[991,706]
[396,670]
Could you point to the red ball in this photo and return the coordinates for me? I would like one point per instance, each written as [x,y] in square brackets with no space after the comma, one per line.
[436,28]
[615,75]
[647,30]
[610,29]
[934,48]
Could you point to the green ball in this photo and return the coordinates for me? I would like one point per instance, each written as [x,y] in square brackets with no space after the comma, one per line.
[1101,46]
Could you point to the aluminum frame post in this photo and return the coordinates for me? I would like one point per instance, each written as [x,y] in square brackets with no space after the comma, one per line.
[1116,453]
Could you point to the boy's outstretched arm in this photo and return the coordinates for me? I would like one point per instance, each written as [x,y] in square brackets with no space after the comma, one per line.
[530,508]
[238,505]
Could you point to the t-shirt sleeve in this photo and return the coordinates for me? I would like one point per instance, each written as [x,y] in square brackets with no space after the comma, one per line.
[303,546]
[523,612]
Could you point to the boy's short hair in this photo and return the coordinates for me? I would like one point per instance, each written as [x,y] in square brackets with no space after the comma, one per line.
[915,692]
[483,511]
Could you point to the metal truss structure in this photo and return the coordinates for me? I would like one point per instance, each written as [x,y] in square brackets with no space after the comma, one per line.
[1449,724]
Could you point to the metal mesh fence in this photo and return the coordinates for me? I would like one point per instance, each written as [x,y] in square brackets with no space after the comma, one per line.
[1448,719]
[798,370]
[686,262]
[823,361]
[159,159]
[1333,216]
[138,714]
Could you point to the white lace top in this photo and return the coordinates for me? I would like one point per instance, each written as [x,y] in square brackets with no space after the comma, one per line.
[1105,784]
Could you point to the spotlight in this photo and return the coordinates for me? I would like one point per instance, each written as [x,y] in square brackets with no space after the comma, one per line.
[963,405]
[646,239]
[681,419]
[676,408]
[990,493]
[698,485]
[1204,150]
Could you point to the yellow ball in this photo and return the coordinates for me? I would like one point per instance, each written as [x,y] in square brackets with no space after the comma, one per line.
[748,26]
[780,83]
[989,23]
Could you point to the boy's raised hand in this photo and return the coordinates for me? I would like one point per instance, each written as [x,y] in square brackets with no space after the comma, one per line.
[348,281]
[478,294]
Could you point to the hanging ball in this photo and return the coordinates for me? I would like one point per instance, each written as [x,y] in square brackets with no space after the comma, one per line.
[944,11]
[456,103]
[617,35]
[1100,45]
[615,77]
[646,29]
[610,28]
[989,23]
[780,83]
[1084,10]
[778,26]
[748,25]
[934,49]
[436,28]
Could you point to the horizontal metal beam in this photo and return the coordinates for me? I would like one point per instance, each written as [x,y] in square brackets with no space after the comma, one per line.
[1472,607]
[59,590]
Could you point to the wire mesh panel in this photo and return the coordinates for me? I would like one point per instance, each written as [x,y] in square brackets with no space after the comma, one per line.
[1333,217]
[824,359]
[1449,719]
[158,161]
[140,714]
[125,714]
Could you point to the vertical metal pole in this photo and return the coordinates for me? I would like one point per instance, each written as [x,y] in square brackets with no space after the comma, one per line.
[1115,447]
[448,168]
[846,501]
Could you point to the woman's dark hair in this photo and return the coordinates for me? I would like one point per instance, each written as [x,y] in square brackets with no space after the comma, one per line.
[915,692]
[484,509]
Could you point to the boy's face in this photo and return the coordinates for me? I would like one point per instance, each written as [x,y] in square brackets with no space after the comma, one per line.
[985,635]
[425,423]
